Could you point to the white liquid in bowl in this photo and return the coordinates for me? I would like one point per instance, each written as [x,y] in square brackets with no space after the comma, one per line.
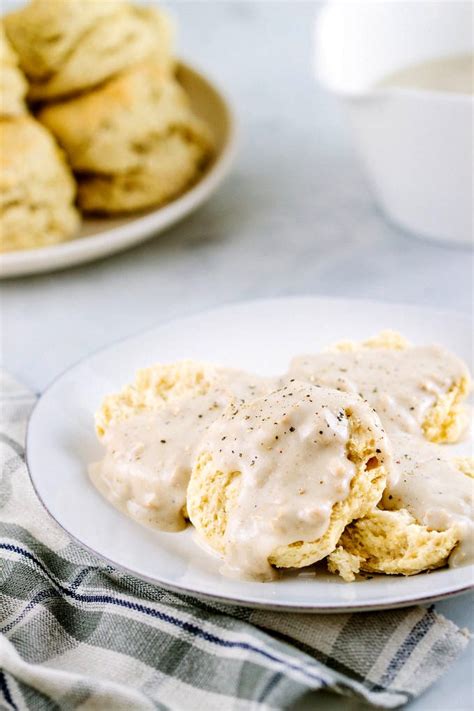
[453,74]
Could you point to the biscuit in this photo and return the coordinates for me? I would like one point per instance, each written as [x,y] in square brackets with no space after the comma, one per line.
[134,142]
[151,430]
[346,565]
[173,164]
[424,516]
[446,420]
[147,499]
[37,192]
[67,47]
[13,84]
[152,387]
[216,492]
[420,390]
[391,542]
[168,382]
[115,127]
[387,339]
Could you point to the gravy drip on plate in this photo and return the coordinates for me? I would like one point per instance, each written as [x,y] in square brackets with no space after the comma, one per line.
[401,385]
[429,485]
[147,464]
[289,450]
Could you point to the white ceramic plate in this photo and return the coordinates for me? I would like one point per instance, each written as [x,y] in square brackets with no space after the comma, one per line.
[260,336]
[101,237]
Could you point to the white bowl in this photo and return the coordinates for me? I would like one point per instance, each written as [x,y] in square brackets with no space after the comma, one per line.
[416,144]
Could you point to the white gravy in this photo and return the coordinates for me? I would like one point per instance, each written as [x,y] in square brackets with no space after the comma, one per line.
[147,464]
[453,74]
[433,490]
[401,385]
[290,449]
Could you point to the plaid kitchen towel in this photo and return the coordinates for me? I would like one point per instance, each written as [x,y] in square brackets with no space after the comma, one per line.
[78,634]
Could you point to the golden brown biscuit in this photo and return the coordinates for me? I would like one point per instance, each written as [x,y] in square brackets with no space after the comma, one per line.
[36,188]
[424,516]
[69,46]
[341,562]
[172,165]
[391,542]
[133,142]
[113,128]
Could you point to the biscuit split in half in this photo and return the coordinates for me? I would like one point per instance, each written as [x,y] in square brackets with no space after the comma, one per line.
[391,542]
[151,431]
[279,478]
[424,517]
[416,389]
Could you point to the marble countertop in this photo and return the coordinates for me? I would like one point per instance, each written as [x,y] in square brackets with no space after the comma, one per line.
[295,217]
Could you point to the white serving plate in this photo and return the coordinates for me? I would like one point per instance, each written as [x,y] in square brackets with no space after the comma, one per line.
[102,237]
[261,336]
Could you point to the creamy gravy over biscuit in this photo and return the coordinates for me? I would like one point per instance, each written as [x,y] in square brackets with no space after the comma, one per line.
[286,450]
[147,464]
[401,385]
[289,450]
[429,485]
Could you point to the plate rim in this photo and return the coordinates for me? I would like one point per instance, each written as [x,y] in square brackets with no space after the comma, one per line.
[229,599]
[82,250]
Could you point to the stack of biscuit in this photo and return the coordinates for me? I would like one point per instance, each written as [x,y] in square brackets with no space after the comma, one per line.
[100,78]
